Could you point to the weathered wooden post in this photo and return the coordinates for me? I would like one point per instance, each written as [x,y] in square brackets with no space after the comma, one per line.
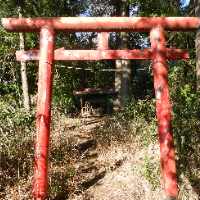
[46,66]
[158,47]
[102,41]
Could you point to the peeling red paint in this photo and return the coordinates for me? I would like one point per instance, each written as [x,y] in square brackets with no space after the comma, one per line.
[158,46]
[62,54]
[46,64]
[101,24]
[102,41]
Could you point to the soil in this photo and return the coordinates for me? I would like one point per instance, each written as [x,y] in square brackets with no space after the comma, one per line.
[114,171]
[84,165]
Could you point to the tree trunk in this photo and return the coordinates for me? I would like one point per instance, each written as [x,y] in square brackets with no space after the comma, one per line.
[26,96]
[197,41]
[123,76]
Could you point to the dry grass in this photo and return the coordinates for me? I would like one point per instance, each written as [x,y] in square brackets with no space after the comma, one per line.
[102,159]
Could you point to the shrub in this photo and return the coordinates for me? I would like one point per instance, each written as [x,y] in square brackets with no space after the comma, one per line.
[16,137]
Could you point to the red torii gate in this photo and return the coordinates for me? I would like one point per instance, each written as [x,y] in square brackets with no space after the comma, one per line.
[158,53]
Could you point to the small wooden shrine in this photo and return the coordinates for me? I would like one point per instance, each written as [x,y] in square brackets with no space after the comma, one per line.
[95,102]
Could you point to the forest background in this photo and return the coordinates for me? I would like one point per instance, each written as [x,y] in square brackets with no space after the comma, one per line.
[18,81]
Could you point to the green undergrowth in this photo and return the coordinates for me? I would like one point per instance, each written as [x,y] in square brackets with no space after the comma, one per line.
[127,123]
[16,143]
[185,106]
[151,170]
[135,124]
[137,120]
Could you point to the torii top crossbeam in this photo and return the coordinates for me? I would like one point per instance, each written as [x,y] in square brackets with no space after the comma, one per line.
[98,24]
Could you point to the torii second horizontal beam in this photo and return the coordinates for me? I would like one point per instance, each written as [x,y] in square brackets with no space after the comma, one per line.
[98,24]
[71,55]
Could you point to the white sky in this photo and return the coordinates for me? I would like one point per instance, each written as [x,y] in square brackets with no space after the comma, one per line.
[185,2]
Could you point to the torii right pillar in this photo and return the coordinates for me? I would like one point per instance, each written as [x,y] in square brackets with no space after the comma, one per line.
[168,164]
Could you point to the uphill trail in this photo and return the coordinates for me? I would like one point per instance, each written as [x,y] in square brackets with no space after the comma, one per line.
[104,171]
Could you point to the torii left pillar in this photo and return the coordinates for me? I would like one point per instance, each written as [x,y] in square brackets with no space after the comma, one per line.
[46,66]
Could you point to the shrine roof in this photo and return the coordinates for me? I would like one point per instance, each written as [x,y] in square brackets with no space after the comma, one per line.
[87,91]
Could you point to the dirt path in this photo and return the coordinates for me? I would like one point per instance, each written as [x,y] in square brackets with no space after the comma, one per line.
[89,169]
[83,154]
[88,161]
[115,171]
[107,172]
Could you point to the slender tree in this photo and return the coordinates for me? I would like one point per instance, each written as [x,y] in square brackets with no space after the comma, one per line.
[27,102]
[123,76]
